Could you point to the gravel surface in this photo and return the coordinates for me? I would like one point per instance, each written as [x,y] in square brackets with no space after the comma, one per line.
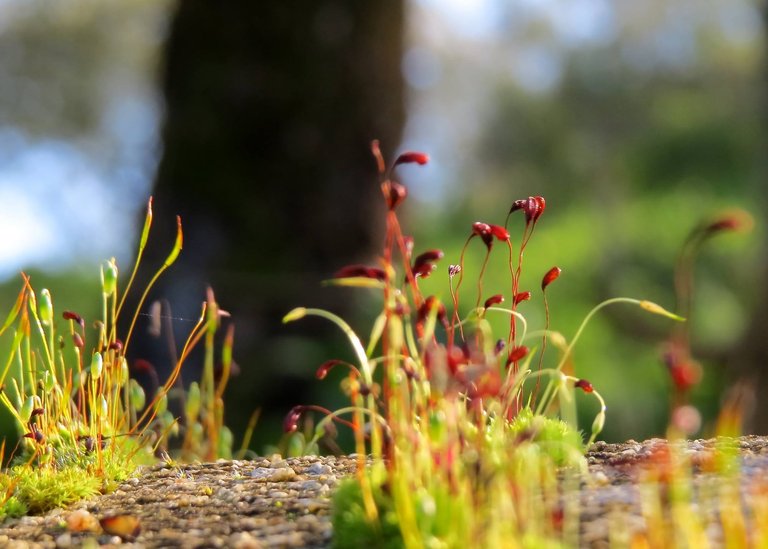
[240,504]
[286,502]
[618,473]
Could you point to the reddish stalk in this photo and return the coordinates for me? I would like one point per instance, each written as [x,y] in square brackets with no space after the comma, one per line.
[455,297]
[480,277]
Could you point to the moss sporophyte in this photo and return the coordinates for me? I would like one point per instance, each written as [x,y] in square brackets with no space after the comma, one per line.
[85,421]
[470,436]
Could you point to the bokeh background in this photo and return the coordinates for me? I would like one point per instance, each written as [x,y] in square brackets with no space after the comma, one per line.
[253,122]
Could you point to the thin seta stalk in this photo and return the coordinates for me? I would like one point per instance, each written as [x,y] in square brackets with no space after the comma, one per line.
[643,304]
[177,246]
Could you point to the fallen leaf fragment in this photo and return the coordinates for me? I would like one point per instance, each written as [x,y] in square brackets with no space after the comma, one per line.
[125,526]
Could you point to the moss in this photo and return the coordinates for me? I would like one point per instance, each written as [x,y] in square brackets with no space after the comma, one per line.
[47,488]
[13,507]
[351,527]
[555,437]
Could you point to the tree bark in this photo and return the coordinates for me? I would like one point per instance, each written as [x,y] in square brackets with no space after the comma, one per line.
[748,364]
[270,110]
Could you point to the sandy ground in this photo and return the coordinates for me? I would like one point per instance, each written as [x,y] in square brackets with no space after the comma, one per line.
[286,502]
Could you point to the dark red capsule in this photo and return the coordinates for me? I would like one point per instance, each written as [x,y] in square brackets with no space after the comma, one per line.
[736,220]
[584,385]
[533,207]
[375,272]
[479,228]
[457,356]
[89,443]
[116,345]
[326,367]
[727,224]
[550,277]
[69,315]
[412,157]
[685,375]
[352,271]
[291,421]
[401,309]
[517,205]
[518,353]
[483,230]
[424,264]
[522,296]
[684,371]
[141,365]
[493,300]
[394,193]
[78,340]
[36,435]
[429,256]
[500,232]
[426,307]
[423,270]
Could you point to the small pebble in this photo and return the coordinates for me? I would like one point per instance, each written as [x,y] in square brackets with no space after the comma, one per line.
[81,520]
[311,485]
[268,474]
[311,505]
[64,541]
[318,468]
[600,478]
[243,540]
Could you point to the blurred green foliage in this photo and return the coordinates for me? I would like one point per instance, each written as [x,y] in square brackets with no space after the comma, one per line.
[629,154]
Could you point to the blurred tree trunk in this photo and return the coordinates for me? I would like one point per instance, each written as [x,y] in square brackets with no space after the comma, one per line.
[750,364]
[270,110]
[749,361]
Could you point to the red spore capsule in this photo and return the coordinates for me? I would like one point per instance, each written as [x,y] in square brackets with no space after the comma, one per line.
[550,277]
